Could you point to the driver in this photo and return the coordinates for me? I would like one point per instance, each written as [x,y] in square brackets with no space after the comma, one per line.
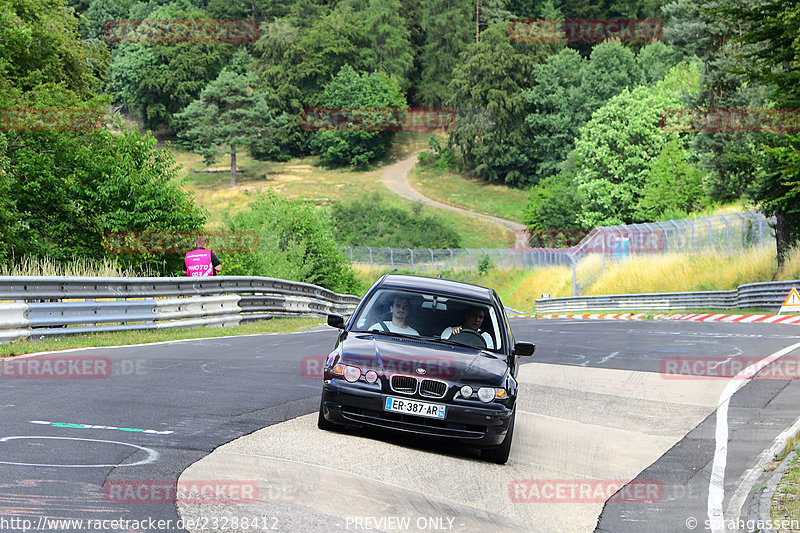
[473,318]
[400,307]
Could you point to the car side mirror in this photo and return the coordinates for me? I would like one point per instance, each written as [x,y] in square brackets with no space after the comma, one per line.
[336,321]
[524,348]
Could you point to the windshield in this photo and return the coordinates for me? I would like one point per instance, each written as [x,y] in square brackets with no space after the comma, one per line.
[430,316]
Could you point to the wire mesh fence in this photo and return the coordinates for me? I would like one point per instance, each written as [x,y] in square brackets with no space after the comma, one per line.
[727,233]
[586,254]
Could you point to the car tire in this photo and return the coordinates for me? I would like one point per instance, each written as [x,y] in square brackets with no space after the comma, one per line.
[499,454]
[325,424]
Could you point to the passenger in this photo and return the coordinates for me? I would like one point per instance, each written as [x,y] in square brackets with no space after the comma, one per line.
[473,318]
[400,307]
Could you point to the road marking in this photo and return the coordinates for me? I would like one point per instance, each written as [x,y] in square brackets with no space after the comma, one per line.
[716,485]
[90,426]
[152,455]
[606,358]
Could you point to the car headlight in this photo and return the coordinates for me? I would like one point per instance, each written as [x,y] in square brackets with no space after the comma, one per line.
[466,391]
[352,373]
[486,394]
[371,376]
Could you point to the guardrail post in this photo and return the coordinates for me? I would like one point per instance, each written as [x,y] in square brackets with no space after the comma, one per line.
[452,261]
[412,258]
[432,263]
[370,256]
[391,256]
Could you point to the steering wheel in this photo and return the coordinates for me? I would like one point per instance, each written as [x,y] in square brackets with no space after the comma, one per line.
[469,336]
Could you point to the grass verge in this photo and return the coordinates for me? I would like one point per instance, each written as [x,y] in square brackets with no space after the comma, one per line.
[275,325]
[472,194]
[786,500]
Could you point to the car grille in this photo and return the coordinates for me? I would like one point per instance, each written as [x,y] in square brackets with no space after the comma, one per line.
[432,388]
[404,384]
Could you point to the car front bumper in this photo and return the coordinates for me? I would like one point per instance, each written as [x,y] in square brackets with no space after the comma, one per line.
[358,404]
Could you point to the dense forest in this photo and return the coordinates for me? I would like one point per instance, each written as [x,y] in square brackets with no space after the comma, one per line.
[579,122]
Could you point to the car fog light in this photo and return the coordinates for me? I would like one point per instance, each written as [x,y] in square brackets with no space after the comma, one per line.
[352,373]
[371,376]
[486,394]
[466,391]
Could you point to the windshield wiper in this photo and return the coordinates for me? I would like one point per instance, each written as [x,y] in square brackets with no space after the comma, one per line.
[465,345]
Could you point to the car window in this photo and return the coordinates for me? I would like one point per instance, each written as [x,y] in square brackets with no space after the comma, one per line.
[429,315]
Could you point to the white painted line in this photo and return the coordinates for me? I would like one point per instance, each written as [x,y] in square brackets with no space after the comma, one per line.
[152,455]
[716,485]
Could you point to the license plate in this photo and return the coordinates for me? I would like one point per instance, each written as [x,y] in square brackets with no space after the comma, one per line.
[413,407]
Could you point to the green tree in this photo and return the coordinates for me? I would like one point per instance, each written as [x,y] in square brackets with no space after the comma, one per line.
[558,110]
[554,204]
[295,242]
[490,126]
[673,184]
[348,89]
[698,28]
[158,80]
[448,28]
[771,30]
[389,40]
[616,147]
[229,113]
[39,44]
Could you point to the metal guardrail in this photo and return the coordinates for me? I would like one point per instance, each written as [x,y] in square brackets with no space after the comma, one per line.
[39,307]
[768,295]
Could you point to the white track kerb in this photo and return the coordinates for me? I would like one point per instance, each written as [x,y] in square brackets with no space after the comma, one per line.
[716,486]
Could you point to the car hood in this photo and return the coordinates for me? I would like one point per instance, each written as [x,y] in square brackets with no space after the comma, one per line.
[395,355]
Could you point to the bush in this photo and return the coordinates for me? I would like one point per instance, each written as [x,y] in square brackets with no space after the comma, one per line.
[485,265]
[295,242]
[348,89]
[373,222]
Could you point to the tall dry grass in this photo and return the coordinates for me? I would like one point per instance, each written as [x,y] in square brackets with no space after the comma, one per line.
[79,267]
[791,266]
[685,272]
[638,274]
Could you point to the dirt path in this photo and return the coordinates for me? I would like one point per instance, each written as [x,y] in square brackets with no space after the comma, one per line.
[395,177]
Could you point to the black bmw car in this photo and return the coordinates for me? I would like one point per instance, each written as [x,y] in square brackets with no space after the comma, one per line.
[427,356]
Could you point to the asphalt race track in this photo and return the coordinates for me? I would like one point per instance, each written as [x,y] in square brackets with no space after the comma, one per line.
[596,415]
